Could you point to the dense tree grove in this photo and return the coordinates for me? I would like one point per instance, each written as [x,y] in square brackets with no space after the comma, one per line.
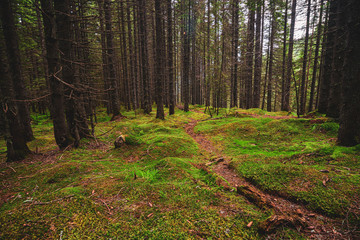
[69,57]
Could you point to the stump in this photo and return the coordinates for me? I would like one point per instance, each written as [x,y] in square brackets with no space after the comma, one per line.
[120,140]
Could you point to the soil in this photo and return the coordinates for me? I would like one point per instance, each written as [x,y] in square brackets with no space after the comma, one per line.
[286,212]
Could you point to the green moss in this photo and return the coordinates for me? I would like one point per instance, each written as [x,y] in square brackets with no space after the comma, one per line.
[92,192]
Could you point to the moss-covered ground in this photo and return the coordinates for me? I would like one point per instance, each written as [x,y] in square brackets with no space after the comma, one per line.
[150,188]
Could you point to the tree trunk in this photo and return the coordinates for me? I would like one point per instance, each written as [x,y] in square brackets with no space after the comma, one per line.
[258,57]
[286,105]
[10,122]
[114,92]
[328,59]
[56,87]
[159,68]
[208,75]
[124,57]
[349,132]
[271,58]
[74,108]
[186,56]
[235,47]
[316,60]
[333,108]
[305,58]
[144,57]
[170,59]
[250,55]
[132,74]
[13,54]
[105,70]
[283,79]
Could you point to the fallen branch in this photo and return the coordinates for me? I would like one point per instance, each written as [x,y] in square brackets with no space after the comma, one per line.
[12,168]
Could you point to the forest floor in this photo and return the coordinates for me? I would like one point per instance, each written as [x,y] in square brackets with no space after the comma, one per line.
[243,174]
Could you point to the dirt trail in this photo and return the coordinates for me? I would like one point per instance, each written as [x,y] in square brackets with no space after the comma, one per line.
[314,225]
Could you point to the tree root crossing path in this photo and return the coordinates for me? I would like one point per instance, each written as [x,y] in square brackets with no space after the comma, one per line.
[285,212]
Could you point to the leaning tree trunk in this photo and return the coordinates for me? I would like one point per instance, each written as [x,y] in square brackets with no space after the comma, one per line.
[13,54]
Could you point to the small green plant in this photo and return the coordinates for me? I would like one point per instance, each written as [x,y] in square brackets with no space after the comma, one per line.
[149,174]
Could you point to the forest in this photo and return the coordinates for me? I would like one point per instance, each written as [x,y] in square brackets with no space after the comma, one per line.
[179,119]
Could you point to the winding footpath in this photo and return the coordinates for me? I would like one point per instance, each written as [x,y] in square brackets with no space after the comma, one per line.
[285,212]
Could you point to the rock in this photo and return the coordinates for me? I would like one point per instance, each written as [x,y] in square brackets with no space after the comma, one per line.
[120,140]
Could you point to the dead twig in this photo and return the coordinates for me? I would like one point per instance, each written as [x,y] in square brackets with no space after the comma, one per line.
[148,152]
[55,200]
[12,168]
[106,132]
[106,206]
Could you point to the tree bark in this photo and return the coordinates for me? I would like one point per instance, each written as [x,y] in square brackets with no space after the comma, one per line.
[74,108]
[271,58]
[144,57]
[159,68]
[250,55]
[283,79]
[105,70]
[132,59]
[170,59]
[13,54]
[258,57]
[235,47]
[349,132]
[186,55]
[305,58]
[333,108]
[328,59]
[10,122]
[61,133]
[316,60]
[286,105]
[114,92]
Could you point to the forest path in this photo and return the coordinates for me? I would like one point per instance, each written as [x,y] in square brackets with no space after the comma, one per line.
[285,212]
